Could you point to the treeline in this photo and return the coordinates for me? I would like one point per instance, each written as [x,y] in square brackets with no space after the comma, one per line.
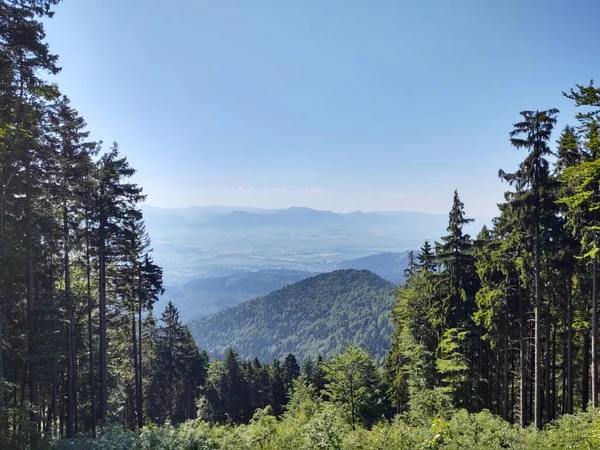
[77,279]
[508,321]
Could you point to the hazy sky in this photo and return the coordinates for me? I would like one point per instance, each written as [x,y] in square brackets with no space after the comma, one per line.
[335,104]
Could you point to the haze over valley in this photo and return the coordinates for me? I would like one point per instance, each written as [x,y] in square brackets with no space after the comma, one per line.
[214,257]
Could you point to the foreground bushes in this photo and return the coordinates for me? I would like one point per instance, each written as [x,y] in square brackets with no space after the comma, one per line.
[324,428]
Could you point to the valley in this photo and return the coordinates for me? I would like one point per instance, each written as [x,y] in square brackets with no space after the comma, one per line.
[215,257]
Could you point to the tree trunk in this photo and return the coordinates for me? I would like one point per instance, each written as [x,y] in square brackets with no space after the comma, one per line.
[33,382]
[505,368]
[537,332]
[88,274]
[570,346]
[102,311]
[547,368]
[553,386]
[595,333]
[136,409]
[585,385]
[3,304]
[522,357]
[140,379]
[71,394]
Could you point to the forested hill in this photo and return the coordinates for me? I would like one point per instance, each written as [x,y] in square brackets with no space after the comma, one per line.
[318,315]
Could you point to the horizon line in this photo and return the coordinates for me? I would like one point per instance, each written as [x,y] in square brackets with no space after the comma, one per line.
[240,208]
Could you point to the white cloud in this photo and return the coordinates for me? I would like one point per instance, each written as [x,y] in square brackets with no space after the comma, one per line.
[276,190]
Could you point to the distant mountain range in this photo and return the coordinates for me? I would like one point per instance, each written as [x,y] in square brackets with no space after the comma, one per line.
[227,218]
[318,315]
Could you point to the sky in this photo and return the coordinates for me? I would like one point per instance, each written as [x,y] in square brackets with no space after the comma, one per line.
[340,104]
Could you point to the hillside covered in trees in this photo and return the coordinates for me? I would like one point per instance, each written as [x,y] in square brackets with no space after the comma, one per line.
[316,316]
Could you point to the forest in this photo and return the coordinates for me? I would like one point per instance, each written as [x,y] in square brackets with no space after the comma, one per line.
[494,342]
[315,316]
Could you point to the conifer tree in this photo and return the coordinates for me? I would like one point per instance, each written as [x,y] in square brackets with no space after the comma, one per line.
[531,180]
[116,202]
[582,197]
[426,258]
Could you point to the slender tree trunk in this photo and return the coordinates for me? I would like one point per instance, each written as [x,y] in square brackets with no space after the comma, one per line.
[531,384]
[135,409]
[512,400]
[553,397]
[548,368]
[522,358]
[595,333]
[537,332]
[585,385]
[33,381]
[505,364]
[88,273]
[102,311]
[570,346]
[140,379]
[3,303]
[71,394]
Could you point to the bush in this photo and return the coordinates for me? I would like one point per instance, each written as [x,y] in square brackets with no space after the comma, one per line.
[311,424]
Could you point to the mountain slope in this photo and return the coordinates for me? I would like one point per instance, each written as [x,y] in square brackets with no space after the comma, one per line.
[389,266]
[205,296]
[318,315]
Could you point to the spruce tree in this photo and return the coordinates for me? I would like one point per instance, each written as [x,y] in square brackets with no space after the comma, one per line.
[531,179]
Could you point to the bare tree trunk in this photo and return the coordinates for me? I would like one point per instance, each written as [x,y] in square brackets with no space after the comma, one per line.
[522,358]
[547,368]
[102,311]
[585,388]
[140,379]
[71,394]
[537,332]
[595,333]
[3,304]
[505,364]
[88,274]
[136,409]
[570,346]
[33,381]
[553,387]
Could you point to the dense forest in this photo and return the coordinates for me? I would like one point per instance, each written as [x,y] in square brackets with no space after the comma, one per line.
[491,334]
[314,317]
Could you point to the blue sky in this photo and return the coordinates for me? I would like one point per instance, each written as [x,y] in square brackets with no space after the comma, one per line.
[338,104]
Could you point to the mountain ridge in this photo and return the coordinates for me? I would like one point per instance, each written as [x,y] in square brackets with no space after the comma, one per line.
[317,315]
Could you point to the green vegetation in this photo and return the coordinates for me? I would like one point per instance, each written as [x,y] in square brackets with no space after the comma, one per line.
[494,343]
[316,316]
[312,423]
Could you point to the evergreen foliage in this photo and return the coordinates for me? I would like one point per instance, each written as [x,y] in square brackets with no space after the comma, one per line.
[318,315]
[494,341]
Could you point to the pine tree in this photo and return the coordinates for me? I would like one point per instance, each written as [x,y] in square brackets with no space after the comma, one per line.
[457,265]
[531,179]
[426,259]
[410,268]
[115,203]
[169,349]
[583,197]
[291,369]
